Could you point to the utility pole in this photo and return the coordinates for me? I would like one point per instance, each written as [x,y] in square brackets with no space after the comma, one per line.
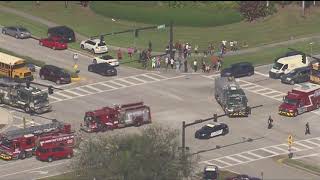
[303,7]
[171,40]
[183,138]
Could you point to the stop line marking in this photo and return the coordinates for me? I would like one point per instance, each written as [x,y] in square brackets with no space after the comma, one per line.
[232,160]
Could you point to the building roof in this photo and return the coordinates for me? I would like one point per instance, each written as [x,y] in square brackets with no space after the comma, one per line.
[8,59]
[306,87]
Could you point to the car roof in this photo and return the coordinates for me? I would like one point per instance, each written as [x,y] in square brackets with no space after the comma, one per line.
[213,124]
[211,168]
[95,40]
[242,63]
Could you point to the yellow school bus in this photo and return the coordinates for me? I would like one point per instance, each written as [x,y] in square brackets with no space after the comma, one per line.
[14,67]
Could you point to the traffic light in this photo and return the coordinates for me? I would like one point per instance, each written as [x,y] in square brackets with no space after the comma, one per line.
[215,118]
[136,34]
[290,140]
[50,90]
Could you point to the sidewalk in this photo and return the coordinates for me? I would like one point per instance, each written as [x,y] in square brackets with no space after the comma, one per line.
[5,119]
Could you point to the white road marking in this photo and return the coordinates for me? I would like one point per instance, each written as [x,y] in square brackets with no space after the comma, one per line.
[163,77]
[72,92]
[107,85]
[110,81]
[269,151]
[259,73]
[83,90]
[91,87]
[260,157]
[303,145]
[141,80]
[309,155]
[119,84]
[233,159]
[145,75]
[311,142]
[63,95]
[128,82]
[50,96]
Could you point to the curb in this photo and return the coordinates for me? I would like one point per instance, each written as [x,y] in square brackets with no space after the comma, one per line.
[10,120]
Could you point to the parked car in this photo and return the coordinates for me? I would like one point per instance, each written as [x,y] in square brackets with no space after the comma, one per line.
[53,153]
[238,70]
[53,42]
[17,32]
[298,75]
[96,46]
[104,69]
[55,74]
[67,34]
[210,172]
[106,59]
[212,130]
[31,67]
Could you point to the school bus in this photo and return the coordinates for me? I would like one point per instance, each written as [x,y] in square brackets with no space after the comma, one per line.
[14,67]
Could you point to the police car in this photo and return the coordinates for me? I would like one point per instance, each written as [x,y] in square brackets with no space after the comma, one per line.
[212,130]
[210,173]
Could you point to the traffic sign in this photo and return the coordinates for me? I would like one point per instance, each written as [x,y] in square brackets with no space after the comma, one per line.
[161,26]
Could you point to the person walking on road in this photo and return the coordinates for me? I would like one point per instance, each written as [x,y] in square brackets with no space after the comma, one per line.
[153,63]
[185,63]
[158,63]
[307,129]
[270,121]
[195,65]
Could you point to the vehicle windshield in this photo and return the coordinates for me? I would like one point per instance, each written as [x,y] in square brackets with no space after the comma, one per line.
[101,44]
[106,57]
[6,142]
[18,66]
[89,118]
[23,29]
[277,66]
[291,101]
[293,72]
[40,98]
[210,175]
[235,101]
[206,128]
[42,150]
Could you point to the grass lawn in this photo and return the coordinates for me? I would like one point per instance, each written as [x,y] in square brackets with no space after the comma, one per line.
[157,12]
[281,26]
[268,55]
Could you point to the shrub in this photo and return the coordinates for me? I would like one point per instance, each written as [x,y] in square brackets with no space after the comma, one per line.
[253,10]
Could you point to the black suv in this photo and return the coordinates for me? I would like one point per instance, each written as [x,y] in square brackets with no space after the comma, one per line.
[298,75]
[238,70]
[55,74]
[212,130]
[65,33]
[104,69]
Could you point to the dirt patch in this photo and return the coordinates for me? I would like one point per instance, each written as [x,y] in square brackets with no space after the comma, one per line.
[2,126]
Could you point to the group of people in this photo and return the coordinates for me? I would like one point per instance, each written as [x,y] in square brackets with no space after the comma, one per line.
[307,127]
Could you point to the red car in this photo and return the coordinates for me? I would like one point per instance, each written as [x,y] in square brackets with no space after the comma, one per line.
[53,42]
[51,153]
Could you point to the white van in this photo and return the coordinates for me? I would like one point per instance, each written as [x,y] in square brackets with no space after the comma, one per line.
[285,65]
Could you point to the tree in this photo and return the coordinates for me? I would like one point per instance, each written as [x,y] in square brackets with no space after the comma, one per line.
[253,10]
[151,154]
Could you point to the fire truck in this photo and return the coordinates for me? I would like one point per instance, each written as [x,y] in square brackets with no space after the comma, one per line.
[118,116]
[303,98]
[22,143]
[28,98]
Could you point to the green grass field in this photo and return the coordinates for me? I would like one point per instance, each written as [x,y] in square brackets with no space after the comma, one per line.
[282,26]
[158,13]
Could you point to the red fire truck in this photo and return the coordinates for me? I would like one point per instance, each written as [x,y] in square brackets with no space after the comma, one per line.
[119,116]
[303,98]
[21,143]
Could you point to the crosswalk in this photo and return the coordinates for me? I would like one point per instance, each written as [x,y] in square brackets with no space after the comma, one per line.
[257,89]
[109,85]
[263,153]
[261,90]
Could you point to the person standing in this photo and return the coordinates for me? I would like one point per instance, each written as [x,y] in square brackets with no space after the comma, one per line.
[158,63]
[196,49]
[172,63]
[195,65]
[185,63]
[153,63]
[270,121]
[177,66]
[119,54]
[167,62]
[307,129]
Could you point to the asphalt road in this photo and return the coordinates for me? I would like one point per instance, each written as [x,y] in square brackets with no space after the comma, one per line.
[173,98]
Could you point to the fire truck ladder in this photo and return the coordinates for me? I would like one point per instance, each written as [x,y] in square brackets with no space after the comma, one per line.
[34,130]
